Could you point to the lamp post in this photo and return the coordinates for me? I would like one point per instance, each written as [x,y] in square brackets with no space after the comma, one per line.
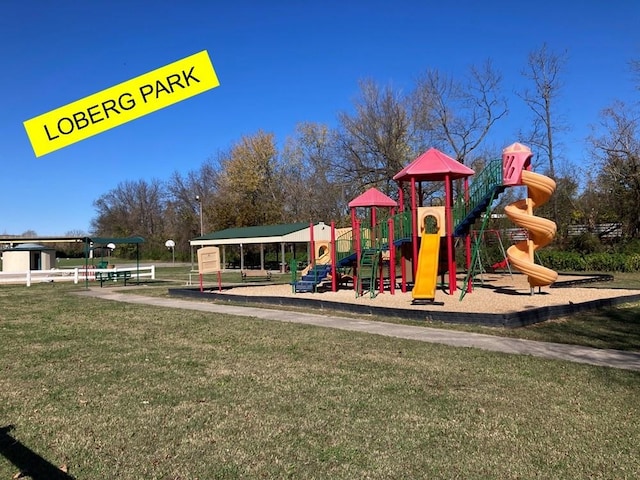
[199,200]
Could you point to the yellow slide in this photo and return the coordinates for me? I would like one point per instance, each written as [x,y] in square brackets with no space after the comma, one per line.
[541,230]
[427,271]
[322,260]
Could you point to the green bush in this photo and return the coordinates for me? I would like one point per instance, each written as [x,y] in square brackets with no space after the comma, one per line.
[605,262]
[630,246]
[599,262]
[585,243]
[562,261]
[632,263]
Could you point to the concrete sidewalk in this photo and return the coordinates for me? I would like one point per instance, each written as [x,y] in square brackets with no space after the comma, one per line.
[558,351]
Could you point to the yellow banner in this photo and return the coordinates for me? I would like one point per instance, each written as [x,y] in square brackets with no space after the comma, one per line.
[121,103]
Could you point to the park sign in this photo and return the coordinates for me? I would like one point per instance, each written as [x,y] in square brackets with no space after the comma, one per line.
[208,260]
[121,103]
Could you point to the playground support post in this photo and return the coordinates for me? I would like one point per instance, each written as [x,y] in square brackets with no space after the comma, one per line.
[414,228]
[356,225]
[467,238]
[380,272]
[530,244]
[449,220]
[334,280]
[312,257]
[392,258]
[467,248]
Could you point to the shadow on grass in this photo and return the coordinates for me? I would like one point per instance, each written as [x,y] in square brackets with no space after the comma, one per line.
[28,462]
[617,328]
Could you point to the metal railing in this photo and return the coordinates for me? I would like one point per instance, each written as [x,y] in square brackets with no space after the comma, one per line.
[482,187]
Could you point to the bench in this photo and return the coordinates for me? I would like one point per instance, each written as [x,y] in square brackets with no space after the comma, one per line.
[115,276]
[256,274]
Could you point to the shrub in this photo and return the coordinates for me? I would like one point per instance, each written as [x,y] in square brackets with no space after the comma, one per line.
[585,243]
[600,262]
[562,261]
[632,263]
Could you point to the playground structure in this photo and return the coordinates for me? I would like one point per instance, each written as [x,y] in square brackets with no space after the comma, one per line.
[423,238]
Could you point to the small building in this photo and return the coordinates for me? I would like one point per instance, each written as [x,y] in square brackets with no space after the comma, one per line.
[28,256]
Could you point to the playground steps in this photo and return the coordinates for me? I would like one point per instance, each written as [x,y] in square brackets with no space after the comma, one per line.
[486,187]
[463,227]
[310,281]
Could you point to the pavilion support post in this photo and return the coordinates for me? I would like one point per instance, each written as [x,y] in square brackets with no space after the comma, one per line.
[224,257]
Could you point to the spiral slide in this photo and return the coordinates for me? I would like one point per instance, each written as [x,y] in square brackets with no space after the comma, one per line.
[541,230]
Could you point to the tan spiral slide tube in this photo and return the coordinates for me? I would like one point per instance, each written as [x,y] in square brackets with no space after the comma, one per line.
[541,230]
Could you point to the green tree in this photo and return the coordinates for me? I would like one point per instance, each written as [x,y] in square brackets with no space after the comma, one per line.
[248,184]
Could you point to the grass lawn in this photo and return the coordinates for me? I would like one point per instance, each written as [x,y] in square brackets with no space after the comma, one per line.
[128,391]
[617,328]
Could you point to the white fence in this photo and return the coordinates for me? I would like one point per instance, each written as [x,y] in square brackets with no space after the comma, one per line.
[75,275]
[603,230]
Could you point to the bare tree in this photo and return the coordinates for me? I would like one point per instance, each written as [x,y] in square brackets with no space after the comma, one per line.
[187,193]
[71,249]
[313,190]
[617,151]
[458,115]
[376,141]
[544,72]
[133,208]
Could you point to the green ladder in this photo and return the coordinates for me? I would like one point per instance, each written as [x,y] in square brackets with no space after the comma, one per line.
[367,272]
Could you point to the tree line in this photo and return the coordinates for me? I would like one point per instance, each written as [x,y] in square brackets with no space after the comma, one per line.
[317,170]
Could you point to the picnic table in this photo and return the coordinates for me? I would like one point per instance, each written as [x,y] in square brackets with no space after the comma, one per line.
[114,275]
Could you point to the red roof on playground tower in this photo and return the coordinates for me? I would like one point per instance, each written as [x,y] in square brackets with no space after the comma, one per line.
[433,165]
[372,198]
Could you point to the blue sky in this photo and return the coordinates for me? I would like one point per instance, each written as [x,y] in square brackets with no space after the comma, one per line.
[279,63]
